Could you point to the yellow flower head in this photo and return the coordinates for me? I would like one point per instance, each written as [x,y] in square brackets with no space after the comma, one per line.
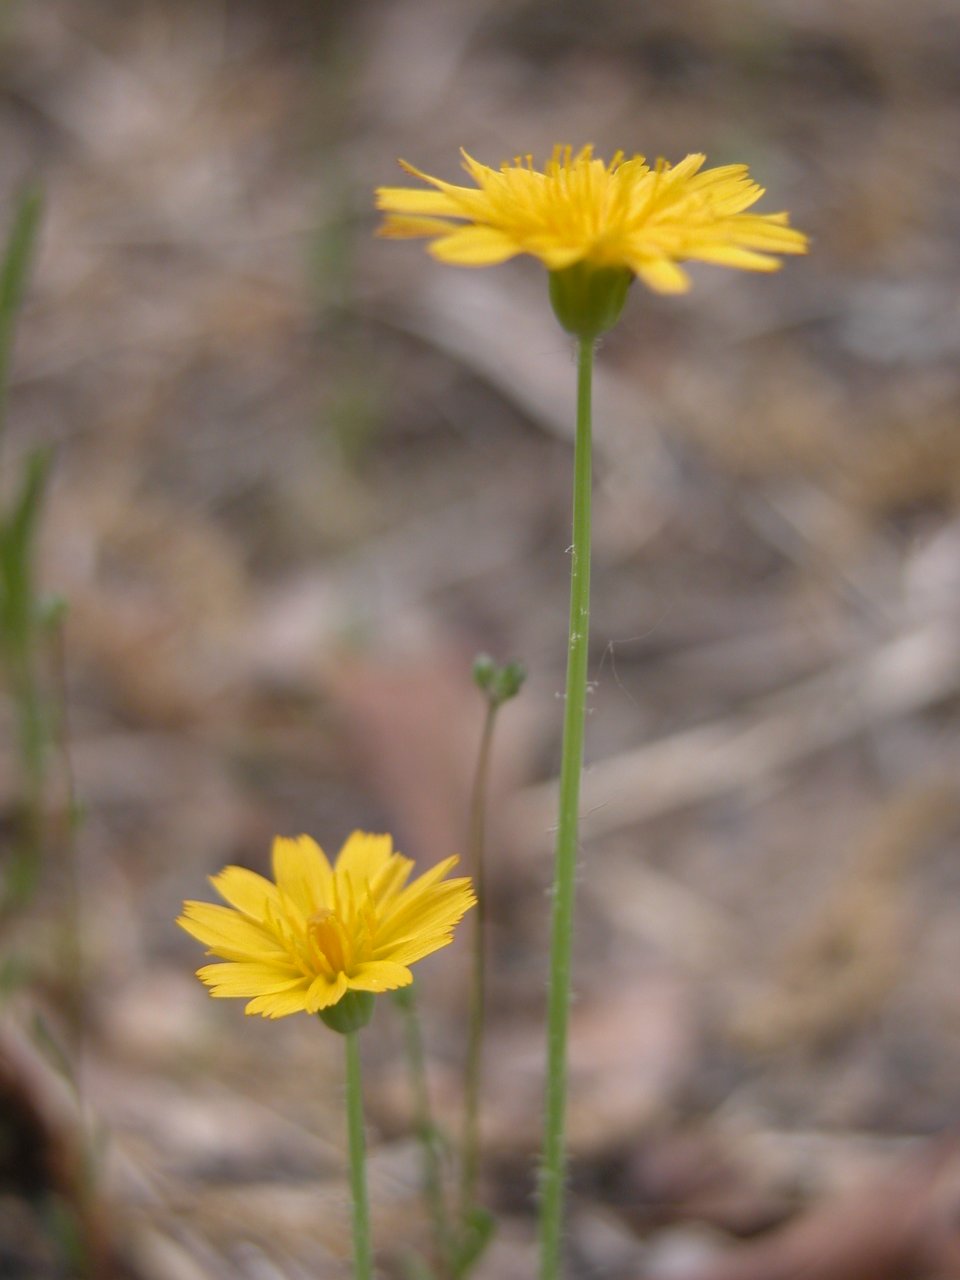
[623,215]
[304,940]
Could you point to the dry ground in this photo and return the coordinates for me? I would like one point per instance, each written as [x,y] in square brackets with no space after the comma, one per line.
[303,476]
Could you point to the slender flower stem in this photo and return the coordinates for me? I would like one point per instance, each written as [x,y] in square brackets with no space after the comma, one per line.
[362,1264]
[554,1151]
[426,1128]
[470,1147]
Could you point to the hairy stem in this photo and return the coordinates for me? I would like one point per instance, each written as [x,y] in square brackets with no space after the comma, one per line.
[554,1147]
[470,1148]
[362,1254]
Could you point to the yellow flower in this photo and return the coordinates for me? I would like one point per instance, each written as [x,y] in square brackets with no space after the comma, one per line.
[619,216]
[319,932]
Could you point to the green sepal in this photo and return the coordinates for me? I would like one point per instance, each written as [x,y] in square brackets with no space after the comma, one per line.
[350,1013]
[588,300]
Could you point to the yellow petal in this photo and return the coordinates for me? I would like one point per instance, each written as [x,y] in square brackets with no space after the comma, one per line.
[423,893]
[439,183]
[302,872]
[409,950]
[389,880]
[399,227]
[434,875]
[731,255]
[324,991]
[467,202]
[730,203]
[480,173]
[769,233]
[364,856]
[247,979]
[475,247]
[380,975]
[687,168]
[662,276]
[280,1005]
[553,256]
[245,890]
[719,174]
[230,934]
[440,909]
[413,200]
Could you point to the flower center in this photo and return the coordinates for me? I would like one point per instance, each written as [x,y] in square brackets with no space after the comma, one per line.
[330,946]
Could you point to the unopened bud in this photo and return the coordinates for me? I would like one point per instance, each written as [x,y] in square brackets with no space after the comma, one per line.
[484,671]
[588,300]
[499,684]
[351,1012]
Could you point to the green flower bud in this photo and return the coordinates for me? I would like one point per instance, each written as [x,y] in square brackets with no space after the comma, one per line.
[508,681]
[484,671]
[351,1012]
[588,300]
[499,684]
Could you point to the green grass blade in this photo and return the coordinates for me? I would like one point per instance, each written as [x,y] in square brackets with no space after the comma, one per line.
[14,273]
[17,539]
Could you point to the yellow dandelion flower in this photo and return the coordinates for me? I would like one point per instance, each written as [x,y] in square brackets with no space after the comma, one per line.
[303,941]
[624,217]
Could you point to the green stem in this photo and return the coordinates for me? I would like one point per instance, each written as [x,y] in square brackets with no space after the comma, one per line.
[73,955]
[14,274]
[426,1129]
[362,1266]
[22,872]
[554,1151]
[470,1148]
[32,728]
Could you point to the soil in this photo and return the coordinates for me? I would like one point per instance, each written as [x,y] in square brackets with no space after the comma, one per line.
[303,476]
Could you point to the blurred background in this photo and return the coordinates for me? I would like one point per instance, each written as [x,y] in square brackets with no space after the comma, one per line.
[302,476]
